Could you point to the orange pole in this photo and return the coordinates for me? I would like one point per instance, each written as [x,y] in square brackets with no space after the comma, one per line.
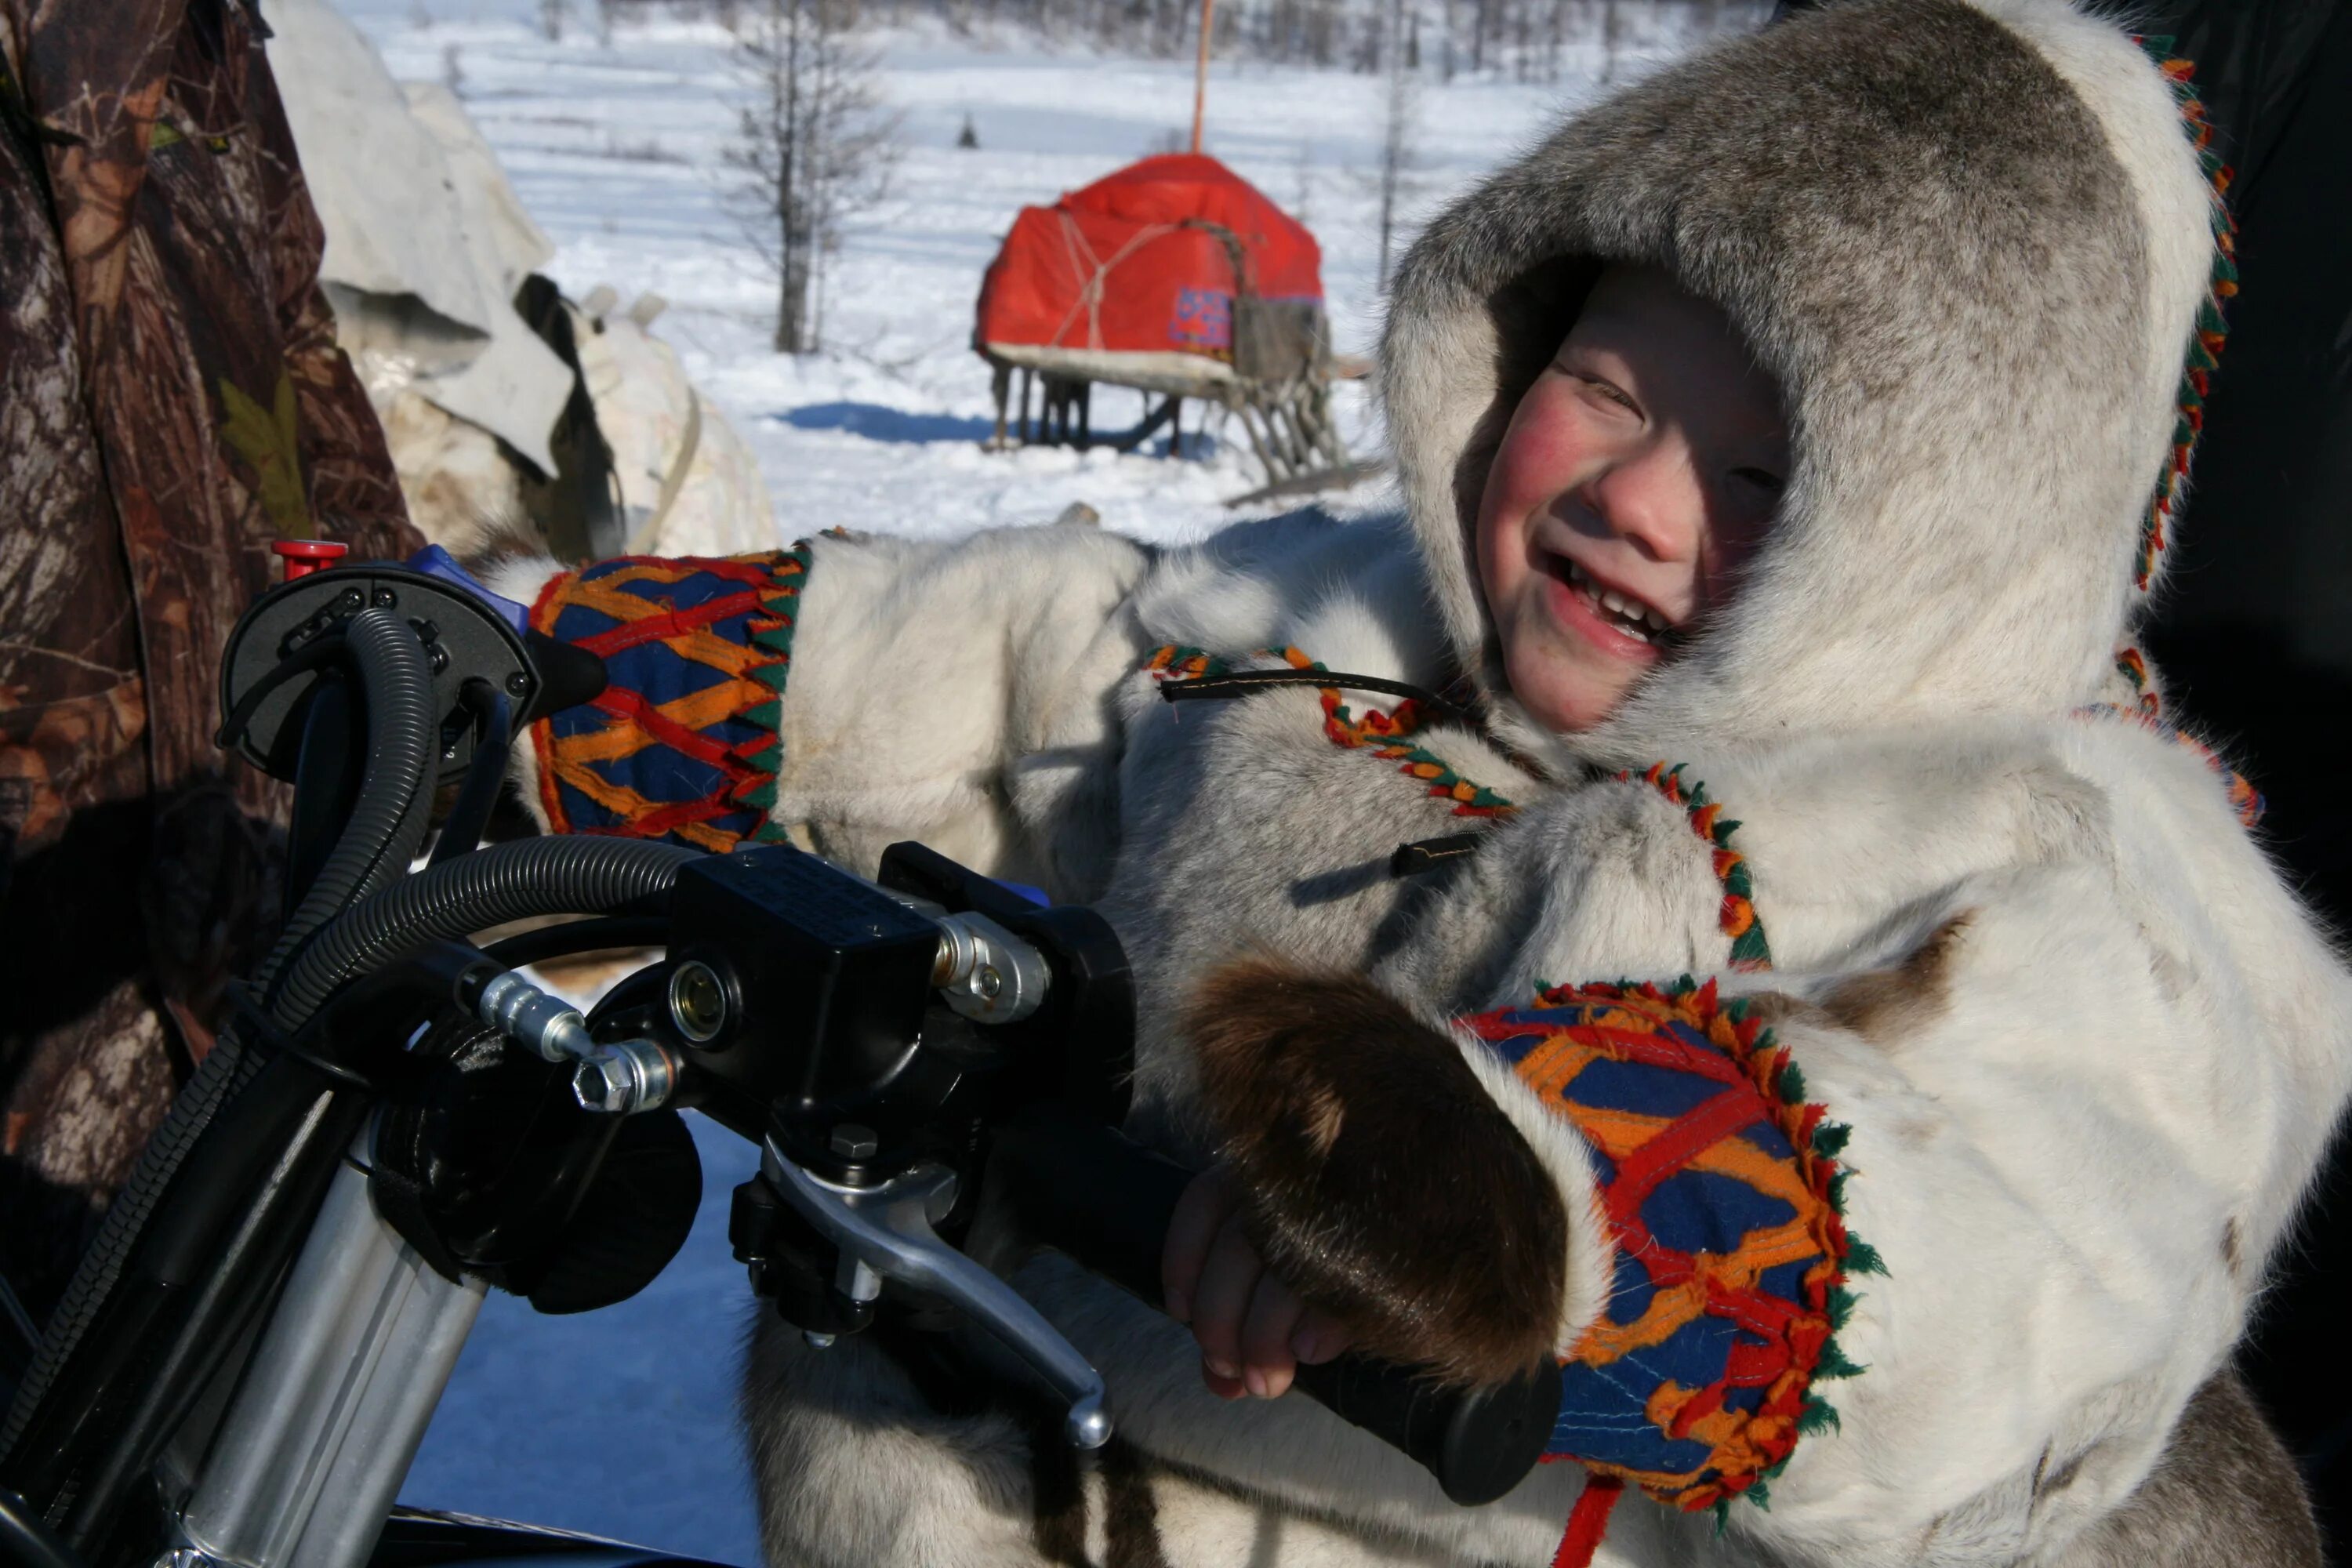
[1200,73]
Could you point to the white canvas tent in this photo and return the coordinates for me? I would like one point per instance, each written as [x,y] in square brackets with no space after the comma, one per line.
[428,246]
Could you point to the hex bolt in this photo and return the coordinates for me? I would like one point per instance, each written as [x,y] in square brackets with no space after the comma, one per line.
[852,1141]
[518,684]
[991,982]
[386,598]
[624,1076]
[602,1082]
[351,599]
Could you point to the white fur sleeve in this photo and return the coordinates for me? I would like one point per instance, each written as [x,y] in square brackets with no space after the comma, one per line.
[958,693]
[2057,1165]
[2084,1096]
[963,694]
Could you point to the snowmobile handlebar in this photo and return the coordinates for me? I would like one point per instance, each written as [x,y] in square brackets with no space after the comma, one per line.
[1031,1105]
[892,1046]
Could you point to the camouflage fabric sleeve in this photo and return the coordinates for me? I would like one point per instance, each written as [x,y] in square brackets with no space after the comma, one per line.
[171,401]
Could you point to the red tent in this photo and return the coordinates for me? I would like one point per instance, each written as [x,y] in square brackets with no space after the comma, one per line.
[1140,263]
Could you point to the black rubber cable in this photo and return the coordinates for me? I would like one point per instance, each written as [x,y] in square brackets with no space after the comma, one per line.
[326,646]
[1242,682]
[485,776]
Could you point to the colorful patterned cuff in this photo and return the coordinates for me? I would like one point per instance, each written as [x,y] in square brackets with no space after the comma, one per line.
[685,743]
[1721,1187]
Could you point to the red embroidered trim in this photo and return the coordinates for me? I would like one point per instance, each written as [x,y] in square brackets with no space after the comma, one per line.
[1384,735]
[1749,950]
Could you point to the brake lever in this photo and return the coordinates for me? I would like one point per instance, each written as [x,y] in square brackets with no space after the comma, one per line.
[885,1232]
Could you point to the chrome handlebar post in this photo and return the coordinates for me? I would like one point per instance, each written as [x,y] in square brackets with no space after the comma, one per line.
[311,1458]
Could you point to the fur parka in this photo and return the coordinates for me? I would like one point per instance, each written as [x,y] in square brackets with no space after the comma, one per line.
[1902,798]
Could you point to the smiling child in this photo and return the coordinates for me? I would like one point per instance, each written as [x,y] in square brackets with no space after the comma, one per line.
[1818,1001]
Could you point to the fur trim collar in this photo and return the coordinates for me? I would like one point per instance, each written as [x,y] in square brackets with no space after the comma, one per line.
[1969,239]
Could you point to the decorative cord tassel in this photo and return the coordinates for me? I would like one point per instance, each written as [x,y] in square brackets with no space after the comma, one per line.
[1587,1522]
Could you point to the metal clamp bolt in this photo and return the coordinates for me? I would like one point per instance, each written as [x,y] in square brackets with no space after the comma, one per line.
[987,973]
[624,1077]
[617,1078]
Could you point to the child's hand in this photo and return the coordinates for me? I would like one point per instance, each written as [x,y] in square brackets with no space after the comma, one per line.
[1253,1330]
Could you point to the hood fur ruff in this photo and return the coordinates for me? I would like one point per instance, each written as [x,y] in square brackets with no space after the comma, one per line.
[1970,241]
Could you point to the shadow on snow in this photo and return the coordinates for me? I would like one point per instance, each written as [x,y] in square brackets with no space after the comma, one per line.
[877,423]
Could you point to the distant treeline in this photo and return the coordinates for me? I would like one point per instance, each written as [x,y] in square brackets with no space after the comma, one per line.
[1521,40]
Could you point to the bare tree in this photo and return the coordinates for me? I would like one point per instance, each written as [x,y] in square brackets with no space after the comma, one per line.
[1399,113]
[1524,40]
[814,147]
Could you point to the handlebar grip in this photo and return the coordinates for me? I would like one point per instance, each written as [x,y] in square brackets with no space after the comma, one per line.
[1478,1442]
[1092,1191]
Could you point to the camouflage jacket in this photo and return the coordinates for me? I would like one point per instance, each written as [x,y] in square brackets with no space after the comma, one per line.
[171,401]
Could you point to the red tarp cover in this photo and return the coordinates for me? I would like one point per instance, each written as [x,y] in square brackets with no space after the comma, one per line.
[1112,267]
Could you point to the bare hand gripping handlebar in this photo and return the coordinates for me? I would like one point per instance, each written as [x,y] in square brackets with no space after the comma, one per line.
[396,1103]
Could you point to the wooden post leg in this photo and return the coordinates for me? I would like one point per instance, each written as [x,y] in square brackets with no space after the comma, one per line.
[1000,384]
[1257,444]
[1024,405]
[1086,415]
[1176,427]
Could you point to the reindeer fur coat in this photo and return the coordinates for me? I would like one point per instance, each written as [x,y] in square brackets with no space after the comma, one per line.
[2087,1045]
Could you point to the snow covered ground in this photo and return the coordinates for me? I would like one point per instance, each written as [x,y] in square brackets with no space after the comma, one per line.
[616,152]
[620,1421]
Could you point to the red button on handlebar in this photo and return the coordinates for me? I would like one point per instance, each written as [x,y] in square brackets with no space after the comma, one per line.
[304,556]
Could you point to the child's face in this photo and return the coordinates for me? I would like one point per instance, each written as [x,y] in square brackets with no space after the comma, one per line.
[1639,469]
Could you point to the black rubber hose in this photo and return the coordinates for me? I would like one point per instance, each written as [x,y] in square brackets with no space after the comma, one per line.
[388,820]
[490,886]
[326,647]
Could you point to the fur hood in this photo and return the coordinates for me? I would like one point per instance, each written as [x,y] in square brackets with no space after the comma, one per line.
[1971,240]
